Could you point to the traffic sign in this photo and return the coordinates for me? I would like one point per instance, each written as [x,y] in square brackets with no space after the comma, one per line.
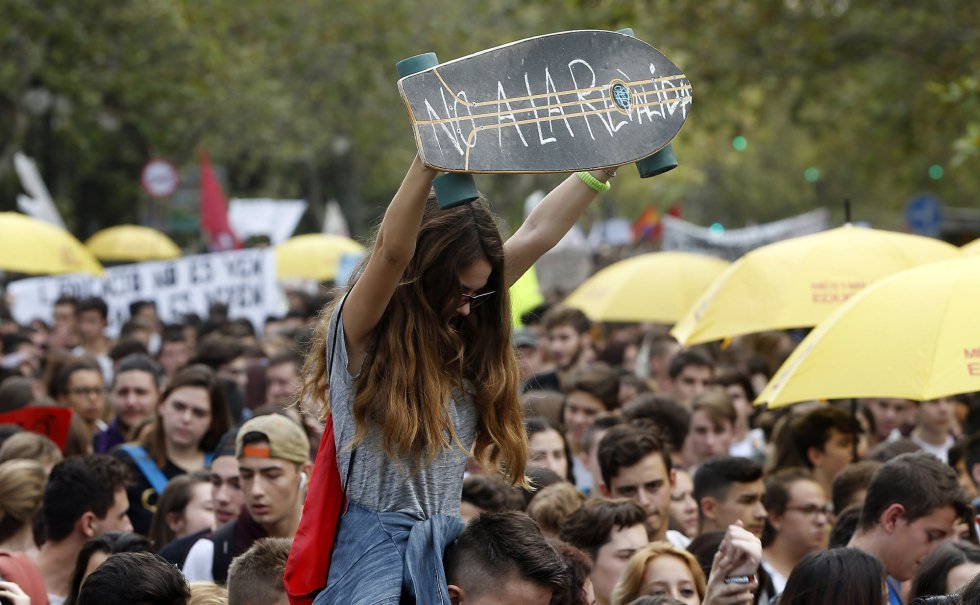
[160,178]
[924,214]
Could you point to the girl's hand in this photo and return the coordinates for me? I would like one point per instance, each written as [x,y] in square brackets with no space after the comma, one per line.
[738,556]
[13,594]
[741,553]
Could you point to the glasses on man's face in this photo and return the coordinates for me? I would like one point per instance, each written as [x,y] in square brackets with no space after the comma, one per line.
[475,300]
[812,510]
[86,391]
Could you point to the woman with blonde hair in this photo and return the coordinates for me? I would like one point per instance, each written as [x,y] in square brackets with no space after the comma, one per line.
[661,568]
[641,578]
[418,362]
[21,493]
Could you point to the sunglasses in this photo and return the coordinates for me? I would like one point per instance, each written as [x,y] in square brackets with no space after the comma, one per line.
[475,300]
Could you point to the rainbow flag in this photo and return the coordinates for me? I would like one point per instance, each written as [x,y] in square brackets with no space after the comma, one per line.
[648,225]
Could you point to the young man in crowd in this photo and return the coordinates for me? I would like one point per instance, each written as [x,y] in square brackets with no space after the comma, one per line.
[569,343]
[712,428]
[85,497]
[610,531]
[175,351]
[933,427]
[910,507]
[822,440]
[503,558]
[134,578]
[727,490]
[530,359]
[690,373]
[92,318]
[273,463]
[589,392]
[64,324]
[797,524]
[256,576]
[282,378]
[658,351]
[636,465]
[889,416]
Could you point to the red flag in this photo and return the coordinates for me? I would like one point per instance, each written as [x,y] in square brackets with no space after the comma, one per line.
[214,210]
[647,226]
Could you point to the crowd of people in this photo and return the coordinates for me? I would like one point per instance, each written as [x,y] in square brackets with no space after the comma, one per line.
[561,461]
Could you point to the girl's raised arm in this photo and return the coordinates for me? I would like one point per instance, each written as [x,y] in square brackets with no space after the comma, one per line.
[392,252]
[548,223]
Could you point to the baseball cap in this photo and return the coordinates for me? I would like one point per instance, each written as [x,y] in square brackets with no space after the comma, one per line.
[524,337]
[286,440]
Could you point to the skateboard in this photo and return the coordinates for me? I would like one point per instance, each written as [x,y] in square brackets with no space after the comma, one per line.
[561,102]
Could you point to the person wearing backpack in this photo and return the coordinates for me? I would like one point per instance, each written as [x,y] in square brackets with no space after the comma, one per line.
[190,419]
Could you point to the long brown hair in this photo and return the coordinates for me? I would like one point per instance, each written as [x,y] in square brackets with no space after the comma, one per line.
[421,350]
[200,376]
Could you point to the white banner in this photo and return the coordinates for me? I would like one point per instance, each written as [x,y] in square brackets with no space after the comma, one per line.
[733,243]
[245,280]
[276,219]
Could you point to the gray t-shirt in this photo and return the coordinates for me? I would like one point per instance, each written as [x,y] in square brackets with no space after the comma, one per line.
[387,485]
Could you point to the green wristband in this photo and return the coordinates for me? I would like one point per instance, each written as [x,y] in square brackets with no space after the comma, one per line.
[593,182]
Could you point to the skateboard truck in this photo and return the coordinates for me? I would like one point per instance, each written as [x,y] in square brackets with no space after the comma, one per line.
[452,188]
[660,162]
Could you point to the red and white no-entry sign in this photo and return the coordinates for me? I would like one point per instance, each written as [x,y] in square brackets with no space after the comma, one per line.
[160,178]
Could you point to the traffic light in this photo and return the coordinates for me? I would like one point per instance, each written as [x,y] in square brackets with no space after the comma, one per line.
[740,143]
[936,172]
[811,174]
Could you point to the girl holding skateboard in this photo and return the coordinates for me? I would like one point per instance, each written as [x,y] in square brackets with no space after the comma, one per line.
[416,357]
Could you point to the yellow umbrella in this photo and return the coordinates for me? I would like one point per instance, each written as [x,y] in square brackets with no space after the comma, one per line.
[656,287]
[28,245]
[313,256]
[972,248]
[131,243]
[798,282]
[525,294]
[914,335]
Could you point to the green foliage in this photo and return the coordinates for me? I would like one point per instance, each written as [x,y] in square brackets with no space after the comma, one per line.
[298,99]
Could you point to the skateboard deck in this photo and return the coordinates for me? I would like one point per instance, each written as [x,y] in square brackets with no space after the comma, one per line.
[560,102]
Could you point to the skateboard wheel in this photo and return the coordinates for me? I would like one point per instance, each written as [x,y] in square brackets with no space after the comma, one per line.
[414,65]
[658,163]
[455,189]
[662,161]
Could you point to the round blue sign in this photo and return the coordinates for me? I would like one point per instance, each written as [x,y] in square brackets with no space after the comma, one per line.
[924,214]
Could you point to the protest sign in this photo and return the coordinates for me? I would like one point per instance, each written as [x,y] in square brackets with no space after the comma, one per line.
[245,280]
[50,421]
[733,243]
